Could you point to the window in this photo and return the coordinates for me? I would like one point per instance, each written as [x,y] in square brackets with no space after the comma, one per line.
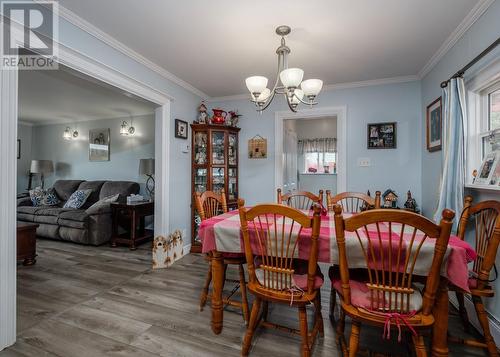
[494,110]
[490,117]
[320,163]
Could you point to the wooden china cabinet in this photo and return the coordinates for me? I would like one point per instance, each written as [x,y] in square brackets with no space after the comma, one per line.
[214,167]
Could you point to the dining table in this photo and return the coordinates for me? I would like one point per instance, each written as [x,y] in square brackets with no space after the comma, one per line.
[221,236]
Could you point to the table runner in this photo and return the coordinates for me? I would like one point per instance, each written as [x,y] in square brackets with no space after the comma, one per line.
[223,233]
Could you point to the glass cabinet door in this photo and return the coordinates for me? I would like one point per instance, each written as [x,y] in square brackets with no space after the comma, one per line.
[217,179]
[233,150]
[232,186]
[200,148]
[200,180]
[218,148]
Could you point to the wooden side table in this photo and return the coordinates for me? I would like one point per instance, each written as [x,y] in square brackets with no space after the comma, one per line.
[131,218]
[26,242]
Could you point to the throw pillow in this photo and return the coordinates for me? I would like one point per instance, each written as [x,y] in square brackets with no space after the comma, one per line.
[36,196]
[102,204]
[77,199]
[50,198]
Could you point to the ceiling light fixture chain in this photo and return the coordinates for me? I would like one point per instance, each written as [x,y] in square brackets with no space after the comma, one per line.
[291,80]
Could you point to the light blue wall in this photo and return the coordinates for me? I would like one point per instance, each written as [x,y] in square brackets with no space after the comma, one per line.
[71,157]
[398,168]
[183,107]
[484,32]
[24,133]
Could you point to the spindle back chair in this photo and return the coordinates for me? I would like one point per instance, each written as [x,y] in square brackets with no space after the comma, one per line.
[210,204]
[353,202]
[390,242]
[273,233]
[302,200]
[482,220]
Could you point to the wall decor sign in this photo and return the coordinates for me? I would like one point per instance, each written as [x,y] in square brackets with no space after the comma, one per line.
[434,121]
[18,149]
[181,129]
[257,147]
[99,144]
[382,135]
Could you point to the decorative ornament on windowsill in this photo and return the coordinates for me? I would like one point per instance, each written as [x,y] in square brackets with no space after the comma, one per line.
[291,80]
[126,130]
[68,134]
[147,168]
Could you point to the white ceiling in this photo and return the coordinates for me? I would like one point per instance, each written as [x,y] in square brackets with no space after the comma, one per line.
[63,96]
[214,45]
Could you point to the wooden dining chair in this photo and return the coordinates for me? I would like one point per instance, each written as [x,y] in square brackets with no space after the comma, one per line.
[274,234]
[353,202]
[387,244]
[210,204]
[482,220]
[301,200]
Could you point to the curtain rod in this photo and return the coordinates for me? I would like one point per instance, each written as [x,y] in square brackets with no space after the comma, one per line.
[461,72]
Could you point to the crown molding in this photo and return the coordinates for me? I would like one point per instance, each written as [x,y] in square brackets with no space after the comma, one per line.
[92,30]
[331,87]
[26,121]
[456,35]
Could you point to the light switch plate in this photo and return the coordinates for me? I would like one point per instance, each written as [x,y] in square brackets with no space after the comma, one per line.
[364,162]
[185,149]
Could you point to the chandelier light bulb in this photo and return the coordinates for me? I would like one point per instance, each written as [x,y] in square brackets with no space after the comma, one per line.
[256,85]
[291,77]
[311,87]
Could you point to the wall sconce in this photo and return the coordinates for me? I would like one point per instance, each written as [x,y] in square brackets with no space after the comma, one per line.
[68,135]
[125,129]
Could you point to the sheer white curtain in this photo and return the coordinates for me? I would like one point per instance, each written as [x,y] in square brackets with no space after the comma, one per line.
[451,190]
[321,145]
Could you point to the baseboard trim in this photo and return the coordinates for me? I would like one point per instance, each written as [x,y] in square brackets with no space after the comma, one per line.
[469,306]
[186,249]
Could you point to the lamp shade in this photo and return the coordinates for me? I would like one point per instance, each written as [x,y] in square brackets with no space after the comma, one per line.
[264,95]
[291,77]
[311,87]
[41,167]
[147,167]
[256,84]
[298,95]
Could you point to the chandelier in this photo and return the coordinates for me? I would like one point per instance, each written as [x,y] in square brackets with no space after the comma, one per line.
[292,87]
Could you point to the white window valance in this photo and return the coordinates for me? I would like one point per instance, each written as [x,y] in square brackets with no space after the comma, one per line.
[317,145]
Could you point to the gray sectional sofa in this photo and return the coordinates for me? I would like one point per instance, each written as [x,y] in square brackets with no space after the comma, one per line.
[88,225]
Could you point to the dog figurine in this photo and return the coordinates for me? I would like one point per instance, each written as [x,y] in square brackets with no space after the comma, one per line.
[177,245]
[160,253]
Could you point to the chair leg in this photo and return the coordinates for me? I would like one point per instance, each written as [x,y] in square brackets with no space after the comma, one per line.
[265,310]
[333,303]
[462,311]
[420,350]
[204,291]
[252,324]
[483,320]
[318,317]
[303,331]
[339,329]
[244,299]
[354,339]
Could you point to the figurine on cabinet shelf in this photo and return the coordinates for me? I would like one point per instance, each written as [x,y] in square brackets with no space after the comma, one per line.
[233,119]
[390,199]
[411,203]
[202,114]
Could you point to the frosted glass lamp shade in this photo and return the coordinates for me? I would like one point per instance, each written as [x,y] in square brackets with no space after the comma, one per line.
[264,95]
[298,95]
[311,87]
[256,84]
[291,77]
[67,133]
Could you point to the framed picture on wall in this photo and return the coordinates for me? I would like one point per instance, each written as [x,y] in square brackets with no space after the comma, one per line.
[99,144]
[434,123]
[382,135]
[181,129]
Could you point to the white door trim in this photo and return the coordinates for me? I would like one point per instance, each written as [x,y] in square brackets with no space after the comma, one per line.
[341,113]
[8,167]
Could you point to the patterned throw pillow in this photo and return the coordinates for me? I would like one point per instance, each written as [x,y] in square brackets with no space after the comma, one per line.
[50,198]
[77,199]
[36,196]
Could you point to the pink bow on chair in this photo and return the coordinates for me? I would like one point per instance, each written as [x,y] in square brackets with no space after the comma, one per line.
[398,318]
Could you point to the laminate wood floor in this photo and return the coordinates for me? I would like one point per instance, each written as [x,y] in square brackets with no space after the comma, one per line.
[101,301]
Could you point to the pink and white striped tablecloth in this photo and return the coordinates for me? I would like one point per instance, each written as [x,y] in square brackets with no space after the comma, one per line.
[223,234]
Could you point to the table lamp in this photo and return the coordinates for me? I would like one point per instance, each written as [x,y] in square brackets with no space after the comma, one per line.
[147,167]
[42,167]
